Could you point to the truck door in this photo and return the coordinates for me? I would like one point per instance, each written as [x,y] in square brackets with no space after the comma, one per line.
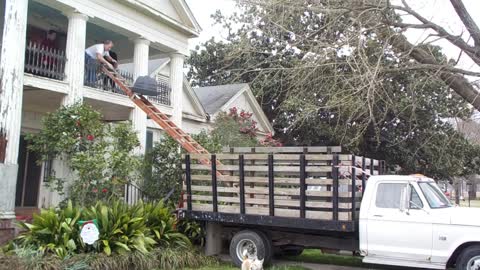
[393,233]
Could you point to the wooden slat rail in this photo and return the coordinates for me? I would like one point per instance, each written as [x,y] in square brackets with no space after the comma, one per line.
[319,186]
[288,149]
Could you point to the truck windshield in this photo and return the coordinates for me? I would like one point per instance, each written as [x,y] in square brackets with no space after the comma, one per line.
[434,196]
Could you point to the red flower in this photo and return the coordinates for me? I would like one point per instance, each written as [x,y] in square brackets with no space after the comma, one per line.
[90,137]
[104,190]
[94,190]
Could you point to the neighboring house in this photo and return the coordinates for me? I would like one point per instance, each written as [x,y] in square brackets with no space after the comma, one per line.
[202,105]
[35,79]
[150,35]
[222,98]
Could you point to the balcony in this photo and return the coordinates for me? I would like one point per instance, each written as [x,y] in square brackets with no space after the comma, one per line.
[44,61]
[94,78]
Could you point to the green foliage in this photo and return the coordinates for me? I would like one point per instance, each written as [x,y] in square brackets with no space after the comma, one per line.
[159,258]
[163,166]
[324,80]
[123,230]
[53,231]
[193,230]
[98,154]
[235,129]
[162,225]
[122,227]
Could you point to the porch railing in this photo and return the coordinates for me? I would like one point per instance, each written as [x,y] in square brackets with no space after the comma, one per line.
[44,61]
[133,194]
[96,79]
[163,91]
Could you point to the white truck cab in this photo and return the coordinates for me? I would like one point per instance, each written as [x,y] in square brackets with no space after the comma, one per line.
[408,221]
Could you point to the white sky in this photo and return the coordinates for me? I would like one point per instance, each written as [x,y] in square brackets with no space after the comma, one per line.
[202,9]
[439,11]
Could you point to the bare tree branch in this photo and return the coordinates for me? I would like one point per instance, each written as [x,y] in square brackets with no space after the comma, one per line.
[457,82]
[467,20]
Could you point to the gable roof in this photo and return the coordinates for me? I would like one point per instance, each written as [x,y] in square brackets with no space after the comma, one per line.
[196,104]
[218,98]
[214,97]
[188,25]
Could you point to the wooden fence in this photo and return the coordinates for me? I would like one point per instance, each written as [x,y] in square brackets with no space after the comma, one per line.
[313,186]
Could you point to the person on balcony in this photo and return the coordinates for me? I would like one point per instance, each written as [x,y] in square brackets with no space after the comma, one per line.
[109,84]
[50,42]
[48,45]
[95,55]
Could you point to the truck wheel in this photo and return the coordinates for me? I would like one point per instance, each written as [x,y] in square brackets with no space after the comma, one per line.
[469,259]
[250,242]
[268,247]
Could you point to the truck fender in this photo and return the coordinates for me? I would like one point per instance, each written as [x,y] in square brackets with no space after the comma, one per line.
[458,250]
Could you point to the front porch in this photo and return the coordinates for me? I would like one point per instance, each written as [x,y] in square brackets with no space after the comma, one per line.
[48,60]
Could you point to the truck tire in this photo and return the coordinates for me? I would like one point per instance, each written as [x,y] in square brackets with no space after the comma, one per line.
[469,258]
[269,251]
[254,242]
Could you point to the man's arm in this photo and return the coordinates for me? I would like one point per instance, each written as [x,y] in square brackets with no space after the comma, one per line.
[111,60]
[103,61]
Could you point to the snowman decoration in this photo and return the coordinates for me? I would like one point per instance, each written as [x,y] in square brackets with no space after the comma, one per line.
[89,231]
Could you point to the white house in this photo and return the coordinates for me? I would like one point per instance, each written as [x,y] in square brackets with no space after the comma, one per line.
[149,36]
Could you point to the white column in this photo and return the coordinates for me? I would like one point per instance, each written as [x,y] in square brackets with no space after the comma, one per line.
[176,83]
[140,68]
[11,94]
[75,52]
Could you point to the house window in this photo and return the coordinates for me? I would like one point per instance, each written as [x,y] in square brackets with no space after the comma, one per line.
[149,142]
[47,170]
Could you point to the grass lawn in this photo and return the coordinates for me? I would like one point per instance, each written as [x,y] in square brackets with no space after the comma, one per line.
[316,256]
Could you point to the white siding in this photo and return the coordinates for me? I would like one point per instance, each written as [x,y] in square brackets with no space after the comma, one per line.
[194,127]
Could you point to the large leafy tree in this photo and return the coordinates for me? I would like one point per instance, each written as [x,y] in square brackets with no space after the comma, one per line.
[325,78]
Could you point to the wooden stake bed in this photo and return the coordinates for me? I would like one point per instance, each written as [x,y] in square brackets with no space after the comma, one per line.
[318,186]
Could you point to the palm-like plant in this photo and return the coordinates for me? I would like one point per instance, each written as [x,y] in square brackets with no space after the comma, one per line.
[53,231]
[122,228]
[162,224]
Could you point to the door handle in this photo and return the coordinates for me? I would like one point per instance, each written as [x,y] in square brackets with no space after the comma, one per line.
[378,215]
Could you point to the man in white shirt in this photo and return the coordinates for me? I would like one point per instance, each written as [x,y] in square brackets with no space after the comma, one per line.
[98,53]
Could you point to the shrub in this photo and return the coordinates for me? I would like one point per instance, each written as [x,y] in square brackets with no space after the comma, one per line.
[162,225]
[193,231]
[122,228]
[163,166]
[234,129]
[53,231]
[98,154]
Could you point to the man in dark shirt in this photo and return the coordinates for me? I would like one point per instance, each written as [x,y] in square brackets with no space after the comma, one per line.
[50,42]
[108,83]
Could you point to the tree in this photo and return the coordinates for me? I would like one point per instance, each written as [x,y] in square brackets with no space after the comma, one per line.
[99,155]
[324,77]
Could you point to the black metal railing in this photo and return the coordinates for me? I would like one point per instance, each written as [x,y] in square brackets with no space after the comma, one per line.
[163,90]
[44,61]
[95,78]
[133,194]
